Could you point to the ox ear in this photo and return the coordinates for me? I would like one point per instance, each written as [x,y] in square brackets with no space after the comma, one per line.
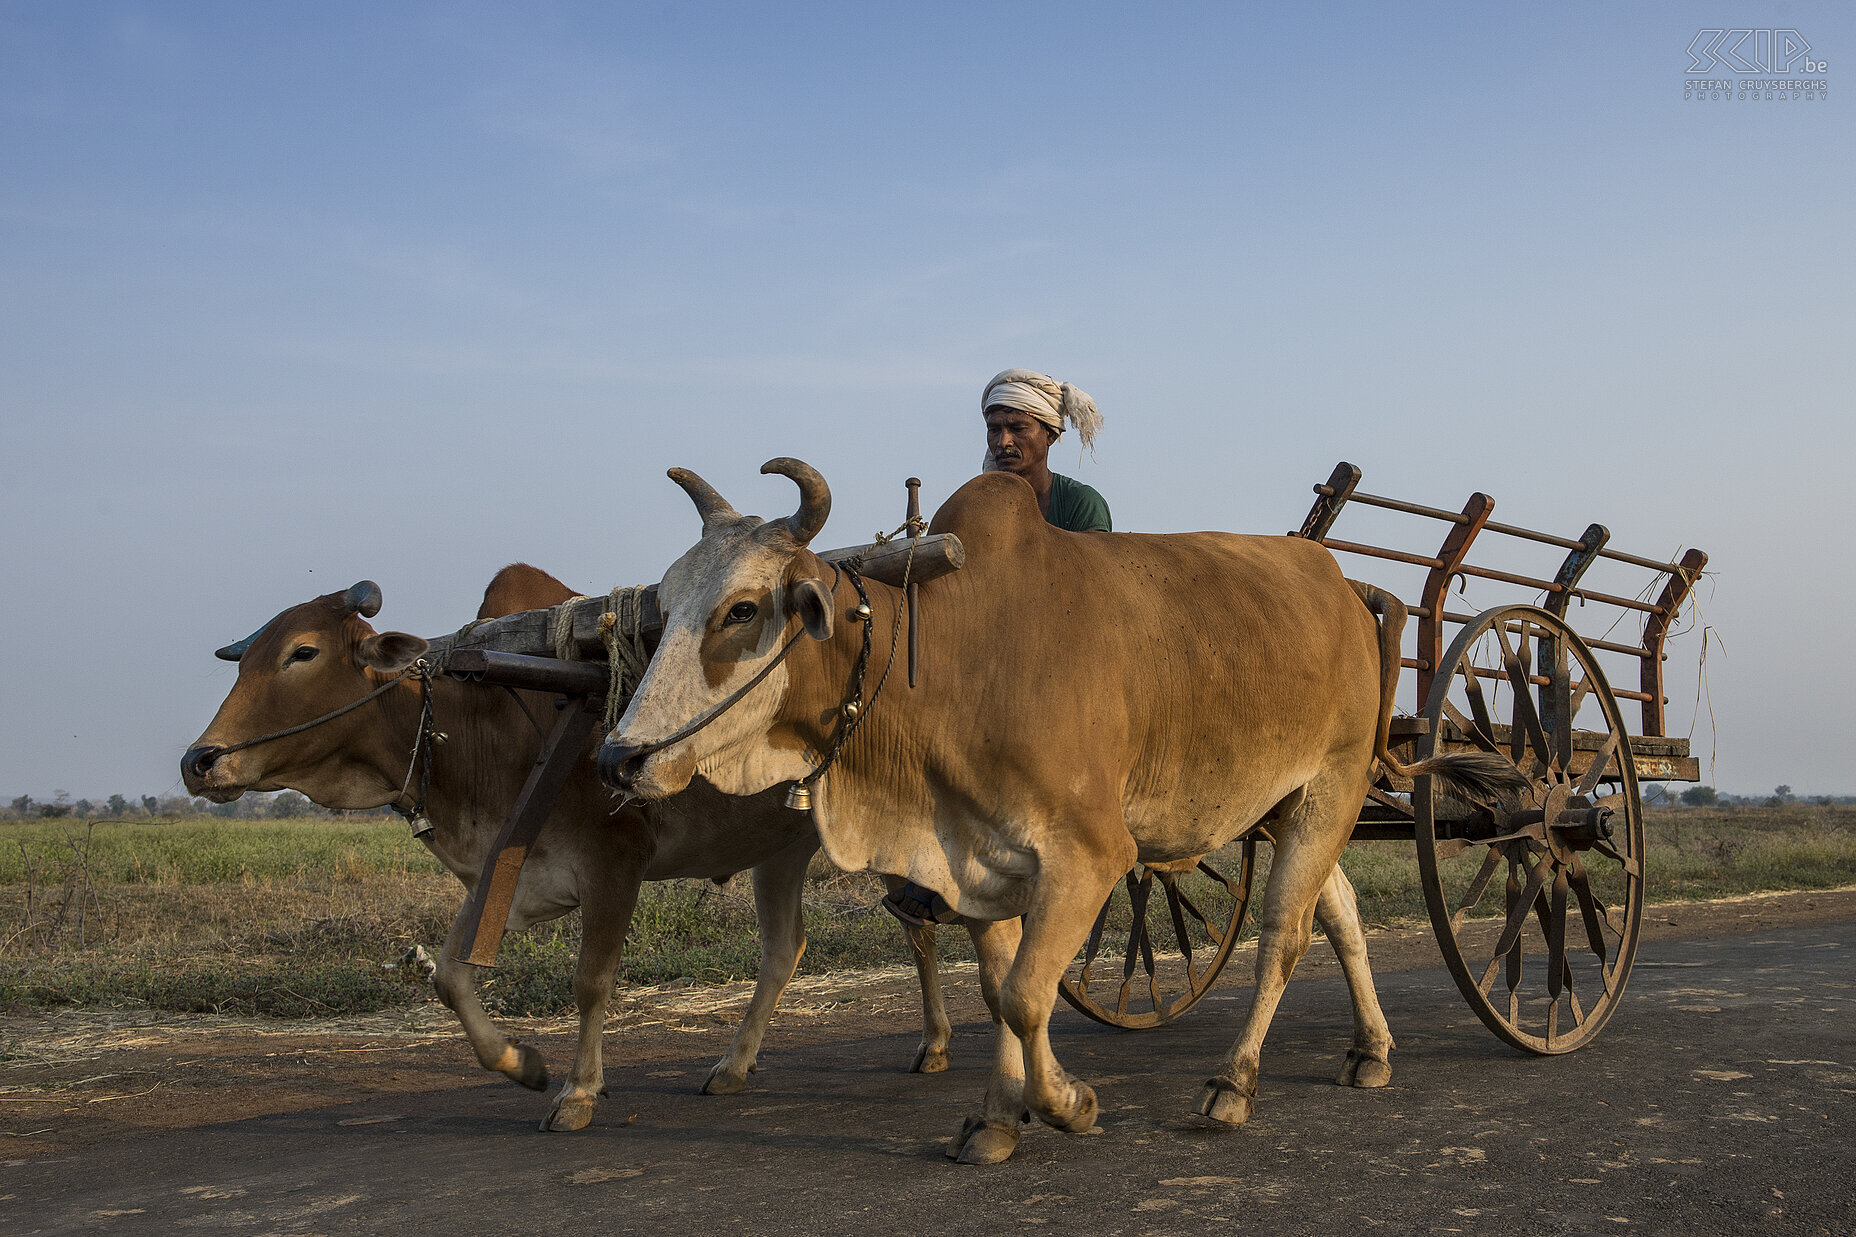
[390,650]
[811,601]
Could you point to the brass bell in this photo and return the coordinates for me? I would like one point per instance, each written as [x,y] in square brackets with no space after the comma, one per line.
[862,612]
[852,708]
[799,797]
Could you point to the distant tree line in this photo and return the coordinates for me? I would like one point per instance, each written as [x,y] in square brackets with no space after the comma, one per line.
[252,806]
[1708,796]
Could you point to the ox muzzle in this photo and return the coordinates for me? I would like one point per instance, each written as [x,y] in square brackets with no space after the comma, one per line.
[620,764]
[197,763]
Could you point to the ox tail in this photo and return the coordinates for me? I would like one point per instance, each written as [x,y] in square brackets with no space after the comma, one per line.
[1474,775]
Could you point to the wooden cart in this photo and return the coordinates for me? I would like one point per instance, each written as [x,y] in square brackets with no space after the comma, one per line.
[1543,962]
[1537,904]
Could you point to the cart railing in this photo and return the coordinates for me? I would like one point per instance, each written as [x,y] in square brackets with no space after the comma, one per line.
[1452,560]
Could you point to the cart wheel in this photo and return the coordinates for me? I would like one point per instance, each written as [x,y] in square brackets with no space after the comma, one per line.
[1197,926]
[1568,855]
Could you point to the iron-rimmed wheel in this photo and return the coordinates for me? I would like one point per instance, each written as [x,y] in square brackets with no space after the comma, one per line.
[1195,924]
[1537,904]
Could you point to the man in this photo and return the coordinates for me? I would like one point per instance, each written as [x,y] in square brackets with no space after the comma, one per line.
[1025,416]
[1026,413]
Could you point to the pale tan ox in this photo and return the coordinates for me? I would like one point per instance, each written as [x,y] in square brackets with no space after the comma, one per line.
[321,655]
[1085,701]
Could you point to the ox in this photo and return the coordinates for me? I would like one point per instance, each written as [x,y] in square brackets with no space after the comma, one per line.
[1085,702]
[322,655]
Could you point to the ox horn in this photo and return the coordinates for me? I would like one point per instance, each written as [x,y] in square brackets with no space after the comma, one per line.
[236,650]
[363,598]
[711,506]
[814,497]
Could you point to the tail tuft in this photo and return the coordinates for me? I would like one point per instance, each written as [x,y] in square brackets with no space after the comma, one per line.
[1473,775]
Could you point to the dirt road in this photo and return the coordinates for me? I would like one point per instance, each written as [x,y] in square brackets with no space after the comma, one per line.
[1719,1099]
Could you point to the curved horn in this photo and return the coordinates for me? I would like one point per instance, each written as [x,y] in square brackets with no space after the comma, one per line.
[814,497]
[711,506]
[363,598]
[236,650]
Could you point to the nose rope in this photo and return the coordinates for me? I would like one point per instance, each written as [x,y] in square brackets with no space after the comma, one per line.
[416,668]
[711,714]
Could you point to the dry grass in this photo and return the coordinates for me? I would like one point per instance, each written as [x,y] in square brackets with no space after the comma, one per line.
[309,918]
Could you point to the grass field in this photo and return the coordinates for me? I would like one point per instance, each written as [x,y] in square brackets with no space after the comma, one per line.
[299,918]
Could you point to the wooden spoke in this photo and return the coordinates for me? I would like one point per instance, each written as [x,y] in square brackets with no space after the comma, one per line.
[1556,696]
[1624,861]
[1095,946]
[1601,760]
[1526,717]
[1478,705]
[1579,692]
[1473,895]
[1138,944]
[1590,910]
[1169,883]
[1556,935]
[1212,930]
[1229,885]
[1518,909]
[1475,731]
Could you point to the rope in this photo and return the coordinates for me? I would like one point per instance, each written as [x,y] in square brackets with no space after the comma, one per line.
[561,629]
[914,527]
[384,688]
[620,631]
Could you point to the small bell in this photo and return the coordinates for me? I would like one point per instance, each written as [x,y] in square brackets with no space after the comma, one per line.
[421,826]
[852,708]
[862,612]
[799,797]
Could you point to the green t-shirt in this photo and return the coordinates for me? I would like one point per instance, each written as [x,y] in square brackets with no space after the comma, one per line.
[1076,506]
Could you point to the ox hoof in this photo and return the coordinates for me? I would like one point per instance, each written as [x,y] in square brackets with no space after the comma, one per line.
[930,1060]
[1222,1100]
[1082,1115]
[983,1142]
[531,1071]
[723,1081]
[569,1113]
[1361,1070]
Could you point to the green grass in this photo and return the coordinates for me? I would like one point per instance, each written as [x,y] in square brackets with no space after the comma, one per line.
[297,918]
[196,852]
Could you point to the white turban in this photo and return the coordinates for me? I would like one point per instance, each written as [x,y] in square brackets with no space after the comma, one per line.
[1043,397]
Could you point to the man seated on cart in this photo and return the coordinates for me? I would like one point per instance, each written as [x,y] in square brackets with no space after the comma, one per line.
[1026,413]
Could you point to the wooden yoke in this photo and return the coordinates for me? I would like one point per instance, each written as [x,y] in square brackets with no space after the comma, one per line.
[532,631]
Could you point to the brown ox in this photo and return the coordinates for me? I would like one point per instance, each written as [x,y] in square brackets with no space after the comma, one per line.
[1085,701]
[321,655]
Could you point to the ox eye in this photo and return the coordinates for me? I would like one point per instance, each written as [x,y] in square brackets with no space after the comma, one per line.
[304,652]
[741,612]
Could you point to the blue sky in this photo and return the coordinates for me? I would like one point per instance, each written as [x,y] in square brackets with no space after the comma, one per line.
[296,295]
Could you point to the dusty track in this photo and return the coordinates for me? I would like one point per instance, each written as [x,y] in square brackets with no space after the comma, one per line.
[1723,1090]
